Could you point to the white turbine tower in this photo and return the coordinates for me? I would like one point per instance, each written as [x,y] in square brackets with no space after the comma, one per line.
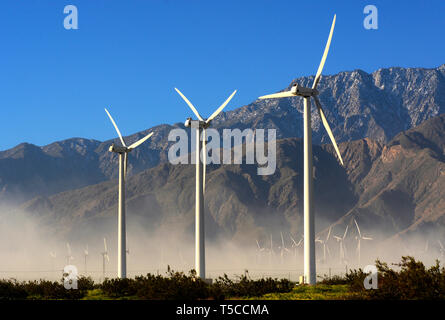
[282,248]
[85,253]
[69,256]
[296,245]
[260,251]
[307,93]
[441,249]
[200,126]
[53,256]
[324,243]
[105,256]
[359,238]
[271,252]
[123,156]
[342,245]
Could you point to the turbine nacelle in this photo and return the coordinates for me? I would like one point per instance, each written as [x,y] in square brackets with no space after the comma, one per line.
[197,123]
[298,90]
[118,149]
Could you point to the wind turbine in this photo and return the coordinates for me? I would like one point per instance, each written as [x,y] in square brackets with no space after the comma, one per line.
[260,250]
[324,243]
[200,126]
[359,238]
[342,246]
[69,257]
[53,256]
[442,249]
[105,256]
[271,252]
[85,253]
[282,248]
[123,156]
[295,245]
[307,93]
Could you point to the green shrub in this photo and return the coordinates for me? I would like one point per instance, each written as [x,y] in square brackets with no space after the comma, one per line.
[12,290]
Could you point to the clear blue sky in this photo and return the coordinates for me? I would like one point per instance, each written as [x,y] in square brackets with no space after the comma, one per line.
[129,55]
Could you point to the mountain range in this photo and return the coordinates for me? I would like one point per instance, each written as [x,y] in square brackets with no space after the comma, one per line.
[390,124]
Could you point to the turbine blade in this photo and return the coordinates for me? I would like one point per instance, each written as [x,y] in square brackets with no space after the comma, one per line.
[329,251]
[139,142]
[359,233]
[329,233]
[285,94]
[328,129]
[367,238]
[105,245]
[220,108]
[295,243]
[115,127]
[190,105]
[346,231]
[325,54]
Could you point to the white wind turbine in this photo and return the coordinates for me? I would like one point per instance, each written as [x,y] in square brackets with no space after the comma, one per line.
[282,248]
[296,245]
[200,126]
[342,245]
[123,158]
[69,256]
[359,238]
[85,253]
[324,243]
[260,251]
[271,252]
[105,256]
[53,256]
[441,249]
[307,93]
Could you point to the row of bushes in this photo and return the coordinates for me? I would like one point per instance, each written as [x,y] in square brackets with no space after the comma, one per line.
[412,281]
[175,286]
[178,286]
[43,289]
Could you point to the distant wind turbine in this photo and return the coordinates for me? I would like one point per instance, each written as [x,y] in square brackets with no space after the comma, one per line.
[359,238]
[296,245]
[282,248]
[342,245]
[105,256]
[324,243]
[69,256]
[85,253]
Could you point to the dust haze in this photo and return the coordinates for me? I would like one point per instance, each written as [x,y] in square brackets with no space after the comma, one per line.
[31,249]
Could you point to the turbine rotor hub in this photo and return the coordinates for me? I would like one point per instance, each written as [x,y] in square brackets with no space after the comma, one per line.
[118,149]
[303,91]
[196,123]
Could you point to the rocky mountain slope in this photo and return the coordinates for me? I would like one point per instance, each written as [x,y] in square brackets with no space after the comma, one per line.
[358,105]
[388,188]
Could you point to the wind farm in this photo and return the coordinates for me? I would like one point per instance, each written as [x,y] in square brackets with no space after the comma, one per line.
[269,197]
